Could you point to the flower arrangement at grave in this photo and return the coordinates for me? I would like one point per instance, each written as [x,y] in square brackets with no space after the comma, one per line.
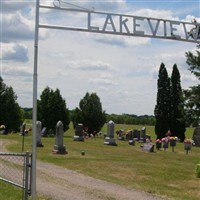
[173,141]
[187,145]
[158,144]
[165,142]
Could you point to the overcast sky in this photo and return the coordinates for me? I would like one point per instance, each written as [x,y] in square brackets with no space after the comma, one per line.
[122,70]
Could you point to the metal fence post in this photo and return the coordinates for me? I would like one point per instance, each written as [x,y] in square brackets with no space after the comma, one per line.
[27,176]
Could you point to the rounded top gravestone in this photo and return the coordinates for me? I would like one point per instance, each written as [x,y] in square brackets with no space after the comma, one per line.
[110,129]
[59,133]
[196,136]
[59,148]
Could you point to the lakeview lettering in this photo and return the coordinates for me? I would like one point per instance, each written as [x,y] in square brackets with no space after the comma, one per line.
[142,26]
[118,24]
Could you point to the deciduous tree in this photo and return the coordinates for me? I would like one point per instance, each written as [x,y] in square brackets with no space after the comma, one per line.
[10,112]
[52,108]
[192,95]
[90,113]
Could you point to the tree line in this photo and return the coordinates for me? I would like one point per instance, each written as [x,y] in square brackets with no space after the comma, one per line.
[174,110]
[132,119]
[117,118]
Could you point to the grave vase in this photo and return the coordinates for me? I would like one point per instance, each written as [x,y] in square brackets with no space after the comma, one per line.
[131,142]
[165,145]
[158,145]
[172,143]
[187,147]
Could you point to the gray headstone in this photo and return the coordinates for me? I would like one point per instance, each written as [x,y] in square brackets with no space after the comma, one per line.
[129,135]
[38,138]
[59,148]
[148,147]
[143,135]
[136,134]
[196,136]
[79,134]
[44,132]
[121,134]
[22,129]
[109,140]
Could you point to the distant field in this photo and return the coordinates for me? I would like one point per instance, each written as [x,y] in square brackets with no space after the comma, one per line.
[165,173]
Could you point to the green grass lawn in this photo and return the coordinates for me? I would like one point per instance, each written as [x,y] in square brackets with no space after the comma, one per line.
[164,173]
[10,192]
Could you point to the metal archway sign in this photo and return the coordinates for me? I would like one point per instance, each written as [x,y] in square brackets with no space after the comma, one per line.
[128,25]
[115,24]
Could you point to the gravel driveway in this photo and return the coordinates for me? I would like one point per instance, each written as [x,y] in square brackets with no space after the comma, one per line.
[64,184]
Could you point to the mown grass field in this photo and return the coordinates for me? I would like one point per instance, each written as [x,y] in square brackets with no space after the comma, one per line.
[165,173]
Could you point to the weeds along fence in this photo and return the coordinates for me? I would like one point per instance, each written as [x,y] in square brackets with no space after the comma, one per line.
[15,169]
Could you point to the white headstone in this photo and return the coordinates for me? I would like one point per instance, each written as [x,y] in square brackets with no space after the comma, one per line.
[59,148]
[38,138]
[109,140]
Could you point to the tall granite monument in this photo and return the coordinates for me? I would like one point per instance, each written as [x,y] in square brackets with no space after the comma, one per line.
[110,140]
[59,147]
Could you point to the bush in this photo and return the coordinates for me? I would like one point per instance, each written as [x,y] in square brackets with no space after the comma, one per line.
[198,170]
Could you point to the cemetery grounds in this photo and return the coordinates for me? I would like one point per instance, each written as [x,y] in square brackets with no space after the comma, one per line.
[166,174]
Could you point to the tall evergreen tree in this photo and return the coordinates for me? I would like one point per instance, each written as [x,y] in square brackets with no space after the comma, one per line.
[163,103]
[177,119]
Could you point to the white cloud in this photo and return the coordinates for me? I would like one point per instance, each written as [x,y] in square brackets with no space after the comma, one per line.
[14,52]
[189,78]
[86,65]
[159,14]
[16,27]
[17,72]
[10,6]
[20,25]
[93,4]
[101,81]
[122,41]
[190,18]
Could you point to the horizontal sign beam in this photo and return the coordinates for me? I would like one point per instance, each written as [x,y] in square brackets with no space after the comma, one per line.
[128,25]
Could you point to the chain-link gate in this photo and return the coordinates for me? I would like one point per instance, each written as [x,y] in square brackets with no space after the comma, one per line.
[16,170]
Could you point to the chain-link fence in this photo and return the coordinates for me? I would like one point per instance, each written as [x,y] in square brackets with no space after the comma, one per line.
[16,170]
